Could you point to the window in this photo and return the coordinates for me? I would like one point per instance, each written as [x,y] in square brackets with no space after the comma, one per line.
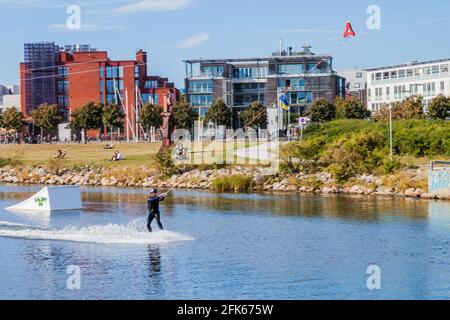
[442,86]
[111,85]
[444,68]
[359,75]
[291,69]
[200,86]
[378,76]
[417,72]
[110,98]
[248,73]
[386,76]
[435,70]
[401,74]
[357,85]
[214,71]
[63,86]
[63,101]
[201,100]
[426,71]
[151,84]
[300,98]
[102,72]
[136,71]
[114,72]
[394,75]
[387,92]
[410,73]
[62,71]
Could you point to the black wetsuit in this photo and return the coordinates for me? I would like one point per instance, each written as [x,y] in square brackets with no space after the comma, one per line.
[153,208]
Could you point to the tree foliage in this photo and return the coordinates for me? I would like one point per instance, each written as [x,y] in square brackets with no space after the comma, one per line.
[350,109]
[219,113]
[88,117]
[183,116]
[322,110]
[150,116]
[255,116]
[12,119]
[112,116]
[439,108]
[47,116]
[410,108]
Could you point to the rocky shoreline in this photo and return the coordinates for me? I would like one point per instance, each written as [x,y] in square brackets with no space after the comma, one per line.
[409,183]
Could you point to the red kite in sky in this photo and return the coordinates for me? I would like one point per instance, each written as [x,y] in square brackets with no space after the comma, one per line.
[349,31]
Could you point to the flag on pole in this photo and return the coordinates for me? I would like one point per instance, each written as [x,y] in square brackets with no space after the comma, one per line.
[284,102]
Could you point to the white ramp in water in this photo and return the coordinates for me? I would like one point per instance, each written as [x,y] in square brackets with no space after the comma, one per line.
[52,199]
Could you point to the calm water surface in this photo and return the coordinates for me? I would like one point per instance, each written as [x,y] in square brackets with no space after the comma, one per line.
[226,246]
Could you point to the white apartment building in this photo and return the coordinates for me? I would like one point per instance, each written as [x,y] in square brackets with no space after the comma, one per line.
[428,79]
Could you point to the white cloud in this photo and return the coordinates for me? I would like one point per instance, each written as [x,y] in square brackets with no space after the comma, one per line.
[153,6]
[87,27]
[194,41]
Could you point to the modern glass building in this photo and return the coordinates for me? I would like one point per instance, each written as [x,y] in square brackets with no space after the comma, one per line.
[303,76]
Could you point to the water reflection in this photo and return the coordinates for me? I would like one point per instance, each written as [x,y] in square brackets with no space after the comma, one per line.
[154,259]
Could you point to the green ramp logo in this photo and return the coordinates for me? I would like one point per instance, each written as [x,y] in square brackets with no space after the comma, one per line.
[40,201]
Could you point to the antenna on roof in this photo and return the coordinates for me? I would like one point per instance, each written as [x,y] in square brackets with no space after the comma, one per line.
[281,46]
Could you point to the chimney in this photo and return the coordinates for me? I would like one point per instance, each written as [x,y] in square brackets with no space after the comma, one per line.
[141,56]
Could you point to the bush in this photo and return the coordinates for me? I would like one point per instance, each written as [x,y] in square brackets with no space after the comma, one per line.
[322,110]
[391,166]
[236,183]
[165,163]
[13,162]
[349,147]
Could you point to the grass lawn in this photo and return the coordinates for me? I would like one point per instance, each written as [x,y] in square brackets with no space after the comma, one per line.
[135,154]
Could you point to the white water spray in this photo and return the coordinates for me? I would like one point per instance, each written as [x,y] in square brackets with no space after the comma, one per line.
[133,233]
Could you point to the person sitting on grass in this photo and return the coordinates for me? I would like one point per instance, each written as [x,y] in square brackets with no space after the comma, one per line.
[60,155]
[117,156]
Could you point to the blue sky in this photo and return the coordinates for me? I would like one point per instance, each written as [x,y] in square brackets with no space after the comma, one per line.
[173,30]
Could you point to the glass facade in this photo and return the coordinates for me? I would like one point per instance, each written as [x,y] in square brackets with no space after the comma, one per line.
[300,98]
[201,86]
[201,100]
[214,71]
[250,73]
[304,68]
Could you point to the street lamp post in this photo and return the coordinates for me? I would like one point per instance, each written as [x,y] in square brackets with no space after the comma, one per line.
[391,153]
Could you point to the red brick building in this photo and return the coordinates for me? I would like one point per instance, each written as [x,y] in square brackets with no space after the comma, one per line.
[74,75]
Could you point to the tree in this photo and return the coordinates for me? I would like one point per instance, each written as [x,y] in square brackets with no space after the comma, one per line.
[183,116]
[322,110]
[88,117]
[112,118]
[439,108]
[219,114]
[150,116]
[410,108]
[255,116]
[350,109]
[47,116]
[12,119]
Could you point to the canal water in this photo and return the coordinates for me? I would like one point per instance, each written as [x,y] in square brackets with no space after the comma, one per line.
[226,246]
